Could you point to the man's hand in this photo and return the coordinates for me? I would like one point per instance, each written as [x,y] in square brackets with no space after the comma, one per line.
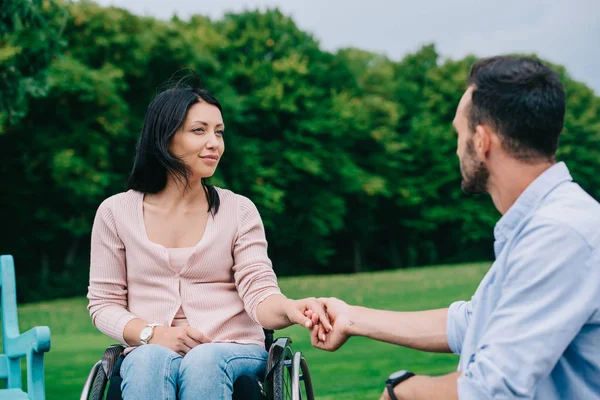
[339,315]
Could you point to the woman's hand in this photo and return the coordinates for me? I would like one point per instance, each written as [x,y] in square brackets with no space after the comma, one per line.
[180,339]
[278,312]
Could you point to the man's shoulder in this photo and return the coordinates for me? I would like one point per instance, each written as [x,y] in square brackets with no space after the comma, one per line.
[572,208]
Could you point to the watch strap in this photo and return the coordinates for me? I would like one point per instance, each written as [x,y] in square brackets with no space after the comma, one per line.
[391,383]
[390,390]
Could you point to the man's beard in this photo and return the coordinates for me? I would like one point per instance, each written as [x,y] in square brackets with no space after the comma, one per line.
[474,174]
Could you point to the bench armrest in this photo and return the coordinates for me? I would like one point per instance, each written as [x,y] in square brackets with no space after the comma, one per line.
[36,339]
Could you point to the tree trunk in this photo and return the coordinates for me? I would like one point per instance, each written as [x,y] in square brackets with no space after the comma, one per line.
[394,254]
[72,252]
[357,257]
[45,270]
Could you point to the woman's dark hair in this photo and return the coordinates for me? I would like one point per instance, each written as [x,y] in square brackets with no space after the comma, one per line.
[153,163]
[523,100]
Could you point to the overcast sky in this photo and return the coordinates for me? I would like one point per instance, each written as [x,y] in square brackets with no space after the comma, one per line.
[562,31]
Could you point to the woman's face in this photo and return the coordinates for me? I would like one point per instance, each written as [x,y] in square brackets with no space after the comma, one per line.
[199,141]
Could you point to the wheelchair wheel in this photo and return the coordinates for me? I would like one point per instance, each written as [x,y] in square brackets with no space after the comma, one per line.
[95,383]
[301,379]
[305,378]
[282,377]
[291,380]
[99,385]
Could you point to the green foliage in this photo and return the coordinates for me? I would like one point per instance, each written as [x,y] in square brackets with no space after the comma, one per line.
[580,142]
[29,37]
[349,156]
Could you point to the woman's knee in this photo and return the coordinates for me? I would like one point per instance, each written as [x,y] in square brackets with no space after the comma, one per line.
[150,371]
[147,359]
[209,370]
[223,357]
[208,355]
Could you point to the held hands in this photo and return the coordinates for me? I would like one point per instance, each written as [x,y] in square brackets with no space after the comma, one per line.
[180,339]
[338,313]
[309,313]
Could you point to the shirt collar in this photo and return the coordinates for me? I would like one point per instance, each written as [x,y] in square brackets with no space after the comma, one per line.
[528,200]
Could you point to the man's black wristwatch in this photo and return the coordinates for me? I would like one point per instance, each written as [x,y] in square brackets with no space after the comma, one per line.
[395,379]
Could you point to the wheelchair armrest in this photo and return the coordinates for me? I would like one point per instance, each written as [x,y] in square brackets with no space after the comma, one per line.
[110,357]
[282,342]
[36,339]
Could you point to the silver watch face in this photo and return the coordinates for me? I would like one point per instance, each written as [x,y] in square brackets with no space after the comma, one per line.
[146,333]
[397,374]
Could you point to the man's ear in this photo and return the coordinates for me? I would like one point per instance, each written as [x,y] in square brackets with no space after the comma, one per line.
[482,141]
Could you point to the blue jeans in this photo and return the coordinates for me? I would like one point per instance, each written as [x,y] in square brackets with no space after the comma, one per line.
[206,372]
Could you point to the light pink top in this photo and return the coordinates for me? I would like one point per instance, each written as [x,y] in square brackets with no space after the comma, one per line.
[219,287]
[177,258]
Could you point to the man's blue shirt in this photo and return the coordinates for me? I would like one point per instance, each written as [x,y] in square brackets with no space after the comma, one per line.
[532,328]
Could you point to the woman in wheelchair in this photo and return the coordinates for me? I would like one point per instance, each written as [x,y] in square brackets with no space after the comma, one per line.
[179,269]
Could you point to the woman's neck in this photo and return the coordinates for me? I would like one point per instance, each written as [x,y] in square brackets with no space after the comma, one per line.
[177,195]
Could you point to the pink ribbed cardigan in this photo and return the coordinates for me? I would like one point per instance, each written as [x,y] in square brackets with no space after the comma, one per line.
[219,288]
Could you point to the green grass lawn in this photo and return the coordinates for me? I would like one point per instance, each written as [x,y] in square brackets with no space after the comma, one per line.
[356,371]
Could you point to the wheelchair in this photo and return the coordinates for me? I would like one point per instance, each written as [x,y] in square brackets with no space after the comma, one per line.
[285,378]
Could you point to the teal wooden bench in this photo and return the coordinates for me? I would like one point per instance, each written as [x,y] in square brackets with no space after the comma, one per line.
[31,344]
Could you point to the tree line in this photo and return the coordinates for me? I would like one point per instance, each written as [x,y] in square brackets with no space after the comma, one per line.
[348,155]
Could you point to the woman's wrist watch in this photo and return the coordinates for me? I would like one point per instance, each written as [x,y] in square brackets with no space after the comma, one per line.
[395,379]
[147,333]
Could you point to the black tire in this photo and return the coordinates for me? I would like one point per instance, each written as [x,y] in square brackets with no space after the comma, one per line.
[99,385]
[308,387]
[282,377]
